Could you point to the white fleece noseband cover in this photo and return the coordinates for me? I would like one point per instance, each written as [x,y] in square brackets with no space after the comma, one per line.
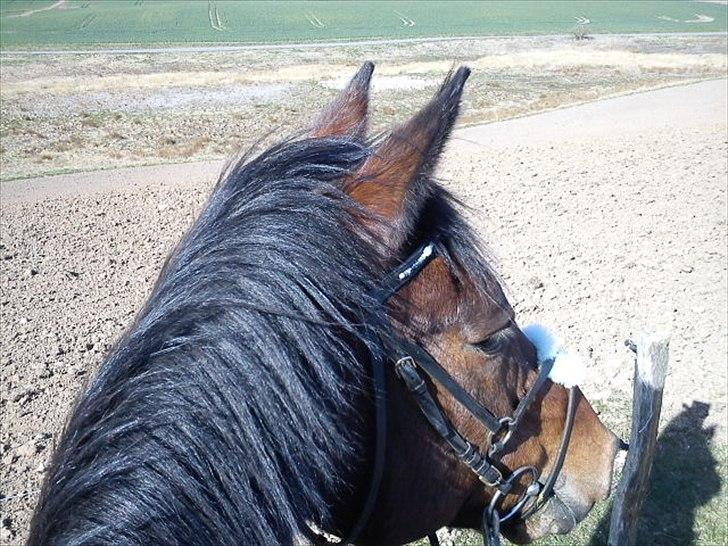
[569,370]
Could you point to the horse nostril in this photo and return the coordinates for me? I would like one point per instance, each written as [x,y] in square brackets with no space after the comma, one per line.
[623,446]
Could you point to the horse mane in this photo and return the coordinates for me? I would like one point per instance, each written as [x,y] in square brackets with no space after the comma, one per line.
[236,408]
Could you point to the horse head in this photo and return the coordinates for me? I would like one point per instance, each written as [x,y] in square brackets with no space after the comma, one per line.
[456,310]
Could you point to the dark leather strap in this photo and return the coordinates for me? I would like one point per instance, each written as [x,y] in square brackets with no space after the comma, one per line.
[391,283]
[439,374]
[407,271]
[526,401]
[491,528]
[563,445]
[380,419]
[467,452]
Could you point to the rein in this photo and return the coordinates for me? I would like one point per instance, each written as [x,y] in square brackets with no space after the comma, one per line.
[411,361]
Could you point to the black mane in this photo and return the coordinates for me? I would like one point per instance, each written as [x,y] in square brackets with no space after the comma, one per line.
[236,407]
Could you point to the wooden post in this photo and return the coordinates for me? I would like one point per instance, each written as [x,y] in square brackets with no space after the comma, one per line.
[649,380]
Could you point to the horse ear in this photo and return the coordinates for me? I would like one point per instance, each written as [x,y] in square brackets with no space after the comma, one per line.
[393,181]
[347,114]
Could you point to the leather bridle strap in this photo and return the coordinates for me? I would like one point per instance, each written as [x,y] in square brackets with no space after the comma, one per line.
[380,418]
[409,356]
[407,271]
[389,286]
[548,485]
[563,445]
[404,348]
[467,452]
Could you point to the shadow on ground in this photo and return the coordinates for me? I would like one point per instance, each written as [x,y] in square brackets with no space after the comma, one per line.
[684,478]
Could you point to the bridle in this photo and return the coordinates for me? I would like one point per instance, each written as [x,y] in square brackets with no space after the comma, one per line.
[411,361]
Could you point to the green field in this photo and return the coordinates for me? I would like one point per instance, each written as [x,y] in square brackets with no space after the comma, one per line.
[83,23]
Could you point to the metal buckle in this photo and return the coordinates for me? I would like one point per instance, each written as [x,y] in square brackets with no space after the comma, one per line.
[406,360]
[402,362]
[532,490]
[497,443]
[497,481]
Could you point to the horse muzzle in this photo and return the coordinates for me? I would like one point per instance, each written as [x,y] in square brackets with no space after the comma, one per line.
[556,517]
[567,506]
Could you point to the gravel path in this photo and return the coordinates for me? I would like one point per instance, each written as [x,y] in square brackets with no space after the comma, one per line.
[606,219]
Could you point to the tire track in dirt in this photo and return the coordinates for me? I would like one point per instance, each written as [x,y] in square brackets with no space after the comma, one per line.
[61,4]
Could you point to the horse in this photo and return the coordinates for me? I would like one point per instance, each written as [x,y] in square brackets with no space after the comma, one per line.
[325,354]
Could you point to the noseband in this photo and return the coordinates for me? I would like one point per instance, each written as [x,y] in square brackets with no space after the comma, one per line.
[411,361]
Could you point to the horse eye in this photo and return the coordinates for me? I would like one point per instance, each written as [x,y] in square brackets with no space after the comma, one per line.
[493,343]
[489,345]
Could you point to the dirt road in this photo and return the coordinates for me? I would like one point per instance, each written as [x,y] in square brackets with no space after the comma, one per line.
[606,219]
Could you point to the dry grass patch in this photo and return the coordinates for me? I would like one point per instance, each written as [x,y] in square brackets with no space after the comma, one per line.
[33,133]
[182,151]
[89,121]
